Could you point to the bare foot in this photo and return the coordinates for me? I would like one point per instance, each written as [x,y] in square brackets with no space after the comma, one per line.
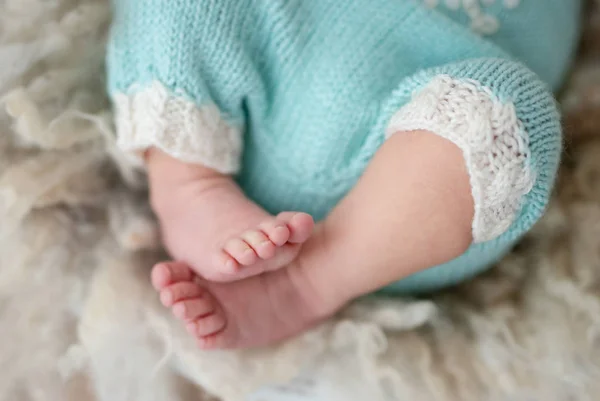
[224,236]
[263,242]
[253,312]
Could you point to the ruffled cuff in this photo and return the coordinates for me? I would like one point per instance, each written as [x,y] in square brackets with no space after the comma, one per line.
[154,117]
[493,140]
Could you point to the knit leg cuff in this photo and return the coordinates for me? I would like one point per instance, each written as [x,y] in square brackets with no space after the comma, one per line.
[493,141]
[153,117]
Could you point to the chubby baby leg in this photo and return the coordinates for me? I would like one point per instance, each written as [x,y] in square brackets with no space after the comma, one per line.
[207,222]
[411,210]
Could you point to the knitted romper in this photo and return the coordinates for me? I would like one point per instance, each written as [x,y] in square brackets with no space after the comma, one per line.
[294,97]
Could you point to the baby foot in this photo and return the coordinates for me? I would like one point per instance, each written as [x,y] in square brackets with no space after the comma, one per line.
[275,240]
[253,312]
[223,235]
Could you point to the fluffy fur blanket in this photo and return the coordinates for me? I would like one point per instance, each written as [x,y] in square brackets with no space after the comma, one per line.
[78,321]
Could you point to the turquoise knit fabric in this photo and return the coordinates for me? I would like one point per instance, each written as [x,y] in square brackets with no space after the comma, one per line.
[314,83]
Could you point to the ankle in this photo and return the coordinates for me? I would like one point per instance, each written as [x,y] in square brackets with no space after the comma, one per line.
[314,272]
[317,303]
[171,179]
[170,173]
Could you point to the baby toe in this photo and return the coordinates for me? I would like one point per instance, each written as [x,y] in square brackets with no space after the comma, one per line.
[301,225]
[261,244]
[179,292]
[193,309]
[167,273]
[208,325]
[241,252]
[277,232]
[230,265]
[214,341]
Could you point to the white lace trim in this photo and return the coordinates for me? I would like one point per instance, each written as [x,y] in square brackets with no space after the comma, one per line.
[481,22]
[494,143]
[153,117]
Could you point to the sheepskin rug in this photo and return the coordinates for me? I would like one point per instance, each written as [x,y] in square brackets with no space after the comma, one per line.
[79,322]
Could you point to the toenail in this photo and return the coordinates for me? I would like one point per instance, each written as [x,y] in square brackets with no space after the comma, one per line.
[166,297]
[179,310]
[191,328]
[167,270]
[281,228]
[230,265]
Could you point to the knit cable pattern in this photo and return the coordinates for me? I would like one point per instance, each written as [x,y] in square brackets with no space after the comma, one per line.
[153,117]
[492,139]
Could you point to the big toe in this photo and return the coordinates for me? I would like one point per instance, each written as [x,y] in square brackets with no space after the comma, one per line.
[301,226]
[167,273]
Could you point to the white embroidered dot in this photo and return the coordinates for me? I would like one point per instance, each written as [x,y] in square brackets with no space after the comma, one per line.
[493,141]
[453,4]
[485,24]
[481,22]
[431,3]
[510,4]
[472,7]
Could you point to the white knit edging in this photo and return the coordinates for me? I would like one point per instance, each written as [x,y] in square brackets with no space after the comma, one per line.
[154,117]
[493,140]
